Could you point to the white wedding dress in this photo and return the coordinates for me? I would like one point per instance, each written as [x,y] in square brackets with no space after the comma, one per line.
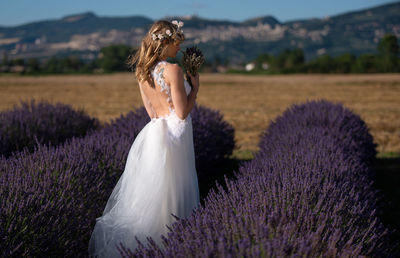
[159,179]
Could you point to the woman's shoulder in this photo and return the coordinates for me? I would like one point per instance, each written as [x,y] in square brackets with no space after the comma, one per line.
[172,67]
[172,70]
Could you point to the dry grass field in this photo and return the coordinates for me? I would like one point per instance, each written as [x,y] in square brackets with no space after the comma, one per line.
[249,103]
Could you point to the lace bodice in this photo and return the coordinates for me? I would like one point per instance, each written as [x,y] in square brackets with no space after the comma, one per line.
[158,75]
[175,124]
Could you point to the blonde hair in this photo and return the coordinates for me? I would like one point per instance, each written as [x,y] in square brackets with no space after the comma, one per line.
[151,51]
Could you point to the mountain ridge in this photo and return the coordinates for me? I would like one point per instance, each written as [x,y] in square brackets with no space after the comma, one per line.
[356,32]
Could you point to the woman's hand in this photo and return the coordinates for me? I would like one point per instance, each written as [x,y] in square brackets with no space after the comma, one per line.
[195,81]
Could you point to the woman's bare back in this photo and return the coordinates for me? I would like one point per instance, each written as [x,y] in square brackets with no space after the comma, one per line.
[157,98]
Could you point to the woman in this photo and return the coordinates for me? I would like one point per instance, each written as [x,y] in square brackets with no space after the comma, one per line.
[160,177]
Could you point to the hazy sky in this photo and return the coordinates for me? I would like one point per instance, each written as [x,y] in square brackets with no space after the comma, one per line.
[16,12]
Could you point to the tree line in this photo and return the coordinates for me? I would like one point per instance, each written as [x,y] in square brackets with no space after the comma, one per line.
[292,61]
[114,58]
[110,59]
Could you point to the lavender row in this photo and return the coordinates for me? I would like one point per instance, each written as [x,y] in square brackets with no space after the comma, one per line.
[213,137]
[51,197]
[41,123]
[307,193]
[346,127]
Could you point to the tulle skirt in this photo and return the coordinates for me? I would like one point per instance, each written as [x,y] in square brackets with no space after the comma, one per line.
[159,179]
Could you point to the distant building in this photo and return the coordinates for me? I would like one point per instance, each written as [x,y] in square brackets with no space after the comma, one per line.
[265,66]
[17,69]
[250,66]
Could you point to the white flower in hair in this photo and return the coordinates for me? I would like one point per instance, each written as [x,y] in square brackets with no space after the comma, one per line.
[179,24]
[168,33]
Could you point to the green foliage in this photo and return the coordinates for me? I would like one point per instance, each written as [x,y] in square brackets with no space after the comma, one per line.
[4,59]
[18,61]
[388,53]
[323,64]
[115,58]
[344,63]
[70,64]
[289,59]
[32,65]
[366,63]
[292,61]
[262,59]
[388,46]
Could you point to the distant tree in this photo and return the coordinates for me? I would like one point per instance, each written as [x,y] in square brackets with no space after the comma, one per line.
[388,46]
[388,54]
[52,65]
[344,63]
[71,64]
[280,60]
[217,62]
[4,63]
[4,59]
[93,66]
[322,64]
[289,60]
[18,61]
[365,63]
[90,67]
[32,65]
[114,58]
[262,59]
[295,58]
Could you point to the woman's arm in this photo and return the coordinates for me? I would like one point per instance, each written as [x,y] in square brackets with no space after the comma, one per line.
[183,103]
[146,103]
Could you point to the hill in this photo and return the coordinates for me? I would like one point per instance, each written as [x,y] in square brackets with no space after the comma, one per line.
[84,34]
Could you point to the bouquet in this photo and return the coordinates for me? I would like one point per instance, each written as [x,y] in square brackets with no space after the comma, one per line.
[192,59]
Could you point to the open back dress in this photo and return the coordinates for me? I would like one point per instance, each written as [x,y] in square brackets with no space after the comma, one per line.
[159,180]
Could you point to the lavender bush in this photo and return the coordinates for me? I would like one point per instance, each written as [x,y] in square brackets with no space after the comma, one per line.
[41,123]
[307,193]
[213,137]
[348,129]
[51,197]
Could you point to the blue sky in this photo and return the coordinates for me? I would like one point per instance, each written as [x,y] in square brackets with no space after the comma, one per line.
[16,12]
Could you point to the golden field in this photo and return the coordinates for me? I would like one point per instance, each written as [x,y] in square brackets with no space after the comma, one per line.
[248,102]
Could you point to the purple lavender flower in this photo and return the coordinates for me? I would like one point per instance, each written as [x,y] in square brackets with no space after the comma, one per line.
[308,192]
[50,198]
[33,123]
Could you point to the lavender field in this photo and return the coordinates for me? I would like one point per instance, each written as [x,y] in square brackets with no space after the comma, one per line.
[308,192]
[312,189]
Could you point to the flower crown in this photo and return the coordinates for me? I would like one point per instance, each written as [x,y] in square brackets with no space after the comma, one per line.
[168,33]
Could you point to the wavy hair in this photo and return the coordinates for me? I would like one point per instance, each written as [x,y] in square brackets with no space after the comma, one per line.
[151,51]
